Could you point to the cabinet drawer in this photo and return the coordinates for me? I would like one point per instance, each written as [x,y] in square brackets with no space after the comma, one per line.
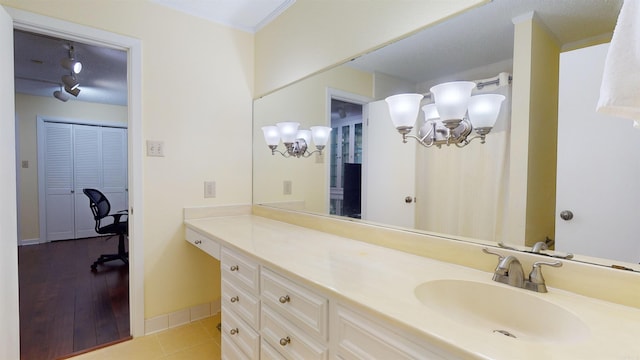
[240,333]
[359,338]
[291,342]
[267,352]
[239,269]
[202,242]
[306,309]
[242,302]
[231,351]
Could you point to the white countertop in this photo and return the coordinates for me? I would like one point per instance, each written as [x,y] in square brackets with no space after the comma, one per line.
[383,280]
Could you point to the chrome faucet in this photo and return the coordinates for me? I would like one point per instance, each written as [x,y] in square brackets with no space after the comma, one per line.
[509,271]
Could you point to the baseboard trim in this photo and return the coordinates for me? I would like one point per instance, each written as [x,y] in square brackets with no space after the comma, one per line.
[24,242]
[181,317]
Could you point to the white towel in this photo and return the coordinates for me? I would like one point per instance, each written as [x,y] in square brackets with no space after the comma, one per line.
[620,88]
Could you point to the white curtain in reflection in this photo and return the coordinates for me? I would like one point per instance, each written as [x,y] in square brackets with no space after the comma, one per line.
[462,191]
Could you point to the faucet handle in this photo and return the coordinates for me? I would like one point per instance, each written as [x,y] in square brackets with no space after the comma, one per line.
[535,276]
[486,251]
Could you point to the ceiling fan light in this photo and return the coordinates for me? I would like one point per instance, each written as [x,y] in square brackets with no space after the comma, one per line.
[60,96]
[70,82]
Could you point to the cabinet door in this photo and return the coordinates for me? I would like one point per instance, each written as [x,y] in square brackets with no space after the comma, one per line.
[87,173]
[58,183]
[360,338]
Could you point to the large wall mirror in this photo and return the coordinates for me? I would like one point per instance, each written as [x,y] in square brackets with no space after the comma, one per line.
[546,58]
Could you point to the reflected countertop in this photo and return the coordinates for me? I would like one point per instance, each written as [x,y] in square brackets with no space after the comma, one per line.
[382,281]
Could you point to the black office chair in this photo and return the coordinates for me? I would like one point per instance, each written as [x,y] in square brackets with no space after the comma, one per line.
[119,226]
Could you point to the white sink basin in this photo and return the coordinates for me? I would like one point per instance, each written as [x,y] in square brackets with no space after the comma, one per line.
[503,311]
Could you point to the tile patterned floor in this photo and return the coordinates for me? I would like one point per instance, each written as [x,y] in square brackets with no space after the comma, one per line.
[198,340]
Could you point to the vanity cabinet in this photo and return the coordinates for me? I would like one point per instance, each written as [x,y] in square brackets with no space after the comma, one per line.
[202,242]
[361,337]
[240,306]
[294,319]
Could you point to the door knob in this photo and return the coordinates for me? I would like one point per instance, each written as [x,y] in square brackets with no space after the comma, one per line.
[566,215]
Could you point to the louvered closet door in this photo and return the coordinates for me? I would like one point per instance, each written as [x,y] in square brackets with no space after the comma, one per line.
[114,167]
[59,199]
[87,174]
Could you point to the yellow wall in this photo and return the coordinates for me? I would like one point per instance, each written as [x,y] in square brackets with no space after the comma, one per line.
[312,35]
[197,89]
[304,102]
[531,201]
[28,108]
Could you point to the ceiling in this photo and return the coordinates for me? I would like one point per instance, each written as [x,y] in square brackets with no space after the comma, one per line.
[485,35]
[452,46]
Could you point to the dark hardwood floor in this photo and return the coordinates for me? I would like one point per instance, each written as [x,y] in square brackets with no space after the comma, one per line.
[64,307]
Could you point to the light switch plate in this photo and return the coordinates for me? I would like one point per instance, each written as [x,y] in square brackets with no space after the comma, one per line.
[286,187]
[209,189]
[155,148]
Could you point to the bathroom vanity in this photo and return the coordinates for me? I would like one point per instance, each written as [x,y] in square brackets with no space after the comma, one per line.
[290,292]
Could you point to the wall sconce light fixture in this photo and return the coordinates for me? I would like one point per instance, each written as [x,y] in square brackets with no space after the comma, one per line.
[296,141]
[452,117]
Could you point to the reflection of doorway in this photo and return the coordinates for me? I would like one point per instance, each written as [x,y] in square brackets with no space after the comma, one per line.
[73,261]
[346,158]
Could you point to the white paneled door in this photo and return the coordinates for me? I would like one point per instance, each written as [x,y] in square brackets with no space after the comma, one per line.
[58,167]
[389,168]
[75,157]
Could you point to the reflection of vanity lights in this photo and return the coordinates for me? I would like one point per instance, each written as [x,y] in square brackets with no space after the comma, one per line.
[445,121]
[295,141]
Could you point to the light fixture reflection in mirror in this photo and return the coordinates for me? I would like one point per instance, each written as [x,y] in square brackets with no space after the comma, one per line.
[296,141]
[450,120]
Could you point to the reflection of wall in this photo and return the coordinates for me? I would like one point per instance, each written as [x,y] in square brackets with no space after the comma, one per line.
[304,102]
[27,109]
[532,168]
[312,35]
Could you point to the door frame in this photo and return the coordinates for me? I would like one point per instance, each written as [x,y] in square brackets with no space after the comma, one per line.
[42,203]
[23,20]
[337,94]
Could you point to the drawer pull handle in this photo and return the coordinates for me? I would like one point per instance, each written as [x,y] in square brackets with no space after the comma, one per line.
[235,299]
[234,268]
[284,299]
[234,331]
[285,341]
[198,242]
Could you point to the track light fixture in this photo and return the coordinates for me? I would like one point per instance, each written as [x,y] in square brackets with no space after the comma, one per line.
[70,82]
[75,91]
[70,63]
[60,95]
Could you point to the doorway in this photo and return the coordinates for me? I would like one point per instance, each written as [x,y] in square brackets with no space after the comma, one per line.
[15,19]
[83,309]
[345,168]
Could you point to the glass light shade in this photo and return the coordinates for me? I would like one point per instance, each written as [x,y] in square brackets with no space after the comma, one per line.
[304,134]
[403,109]
[484,110]
[288,131]
[271,135]
[320,135]
[452,98]
[430,112]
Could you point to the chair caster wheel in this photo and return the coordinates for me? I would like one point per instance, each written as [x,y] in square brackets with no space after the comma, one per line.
[94,268]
